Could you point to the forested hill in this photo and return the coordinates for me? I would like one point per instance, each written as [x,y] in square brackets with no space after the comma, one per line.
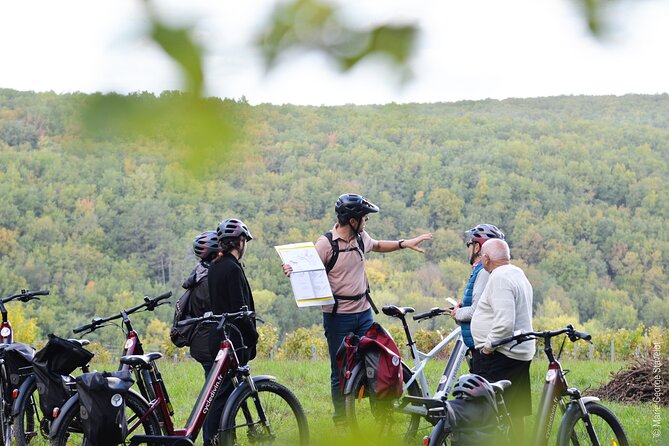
[580,185]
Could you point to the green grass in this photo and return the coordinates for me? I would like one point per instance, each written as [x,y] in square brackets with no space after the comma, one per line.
[310,383]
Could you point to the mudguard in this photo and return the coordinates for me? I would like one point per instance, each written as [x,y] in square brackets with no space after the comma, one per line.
[238,391]
[23,393]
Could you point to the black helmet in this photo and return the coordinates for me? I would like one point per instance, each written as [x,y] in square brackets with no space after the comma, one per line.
[483,232]
[471,386]
[354,206]
[233,228]
[206,244]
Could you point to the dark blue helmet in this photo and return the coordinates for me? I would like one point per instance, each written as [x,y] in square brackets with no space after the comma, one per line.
[354,206]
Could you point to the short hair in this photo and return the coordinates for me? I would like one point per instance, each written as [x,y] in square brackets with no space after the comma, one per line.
[496,249]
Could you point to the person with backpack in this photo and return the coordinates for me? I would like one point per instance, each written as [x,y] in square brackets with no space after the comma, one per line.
[474,240]
[342,251]
[229,291]
[205,247]
[194,303]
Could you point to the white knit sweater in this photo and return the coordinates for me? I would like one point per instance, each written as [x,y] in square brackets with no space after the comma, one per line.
[505,307]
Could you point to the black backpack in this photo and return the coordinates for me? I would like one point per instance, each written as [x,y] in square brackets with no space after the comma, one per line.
[181,336]
[333,260]
[102,406]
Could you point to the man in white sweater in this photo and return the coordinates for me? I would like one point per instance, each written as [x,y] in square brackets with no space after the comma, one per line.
[505,307]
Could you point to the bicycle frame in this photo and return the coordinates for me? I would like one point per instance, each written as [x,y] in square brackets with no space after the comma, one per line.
[451,369]
[226,360]
[552,397]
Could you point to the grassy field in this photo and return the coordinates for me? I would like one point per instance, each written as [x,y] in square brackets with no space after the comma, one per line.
[310,382]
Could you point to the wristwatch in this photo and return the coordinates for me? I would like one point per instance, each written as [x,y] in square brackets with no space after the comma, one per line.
[400,243]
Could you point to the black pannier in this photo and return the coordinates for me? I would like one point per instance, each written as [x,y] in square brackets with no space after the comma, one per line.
[17,358]
[51,365]
[102,406]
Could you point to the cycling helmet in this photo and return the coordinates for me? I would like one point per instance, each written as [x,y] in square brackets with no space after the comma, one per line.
[233,228]
[472,386]
[206,244]
[483,232]
[354,206]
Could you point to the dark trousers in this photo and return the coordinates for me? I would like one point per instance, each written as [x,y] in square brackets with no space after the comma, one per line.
[497,366]
[213,420]
[336,327]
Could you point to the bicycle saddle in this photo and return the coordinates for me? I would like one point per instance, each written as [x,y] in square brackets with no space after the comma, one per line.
[394,311]
[138,360]
[499,386]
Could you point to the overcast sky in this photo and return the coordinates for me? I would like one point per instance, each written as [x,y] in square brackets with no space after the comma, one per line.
[468,49]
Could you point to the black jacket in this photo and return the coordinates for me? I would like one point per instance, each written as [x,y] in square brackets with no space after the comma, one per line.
[229,290]
[198,304]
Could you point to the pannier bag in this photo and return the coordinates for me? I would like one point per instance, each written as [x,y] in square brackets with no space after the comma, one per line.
[17,358]
[472,423]
[51,365]
[382,362]
[102,406]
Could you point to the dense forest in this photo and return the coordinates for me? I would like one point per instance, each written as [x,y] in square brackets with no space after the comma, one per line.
[580,185]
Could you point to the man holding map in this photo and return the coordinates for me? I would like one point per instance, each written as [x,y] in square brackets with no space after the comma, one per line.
[342,250]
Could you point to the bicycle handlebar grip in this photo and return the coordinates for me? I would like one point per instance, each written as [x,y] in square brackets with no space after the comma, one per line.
[420,316]
[163,296]
[82,328]
[584,336]
[502,341]
[40,293]
[189,321]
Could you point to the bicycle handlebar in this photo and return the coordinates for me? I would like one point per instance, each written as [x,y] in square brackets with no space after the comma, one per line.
[209,316]
[149,303]
[574,335]
[25,296]
[436,311]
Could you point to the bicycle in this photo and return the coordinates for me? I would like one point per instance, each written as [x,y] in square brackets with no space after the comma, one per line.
[388,419]
[259,410]
[26,413]
[584,419]
[15,364]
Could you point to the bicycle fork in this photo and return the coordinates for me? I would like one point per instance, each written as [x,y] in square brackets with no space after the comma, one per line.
[246,376]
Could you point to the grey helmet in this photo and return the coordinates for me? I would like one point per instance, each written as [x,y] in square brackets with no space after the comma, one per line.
[471,386]
[483,232]
[206,244]
[233,228]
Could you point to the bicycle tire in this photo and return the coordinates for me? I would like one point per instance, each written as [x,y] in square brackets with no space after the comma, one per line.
[27,422]
[70,433]
[573,431]
[286,420]
[378,419]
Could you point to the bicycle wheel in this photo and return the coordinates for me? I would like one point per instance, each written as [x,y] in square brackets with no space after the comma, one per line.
[284,424]
[369,417]
[5,411]
[27,423]
[70,433]
[574,432]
